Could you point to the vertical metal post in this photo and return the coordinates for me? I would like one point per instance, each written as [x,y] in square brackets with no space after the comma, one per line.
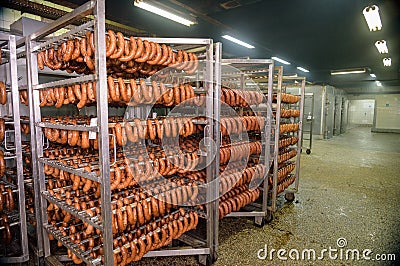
[102,114]
[35,180]
[17,142]
[36,135]
[217,139]
[267,136]
[300,133]
[276,139]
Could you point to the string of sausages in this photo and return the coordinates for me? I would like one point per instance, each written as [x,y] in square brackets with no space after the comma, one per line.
[6,235]
[286,113]
[284,128]
[132,245]
[2,129]
[7,200]
[285,169]
[288,98]
[3,93]
[129,56]
[285,183]
[286,154]
[239,151]
[120,92]
[287,141]
[236,125]
[2,164]
[23,97]
[124,132]
[241,98]
[235,199]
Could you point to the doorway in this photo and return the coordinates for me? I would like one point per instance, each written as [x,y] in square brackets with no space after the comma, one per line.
[361,113]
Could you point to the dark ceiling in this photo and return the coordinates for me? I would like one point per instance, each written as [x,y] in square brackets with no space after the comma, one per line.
[319,35]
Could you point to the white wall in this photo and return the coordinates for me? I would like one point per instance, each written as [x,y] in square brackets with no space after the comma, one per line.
[387,111]
[361,112]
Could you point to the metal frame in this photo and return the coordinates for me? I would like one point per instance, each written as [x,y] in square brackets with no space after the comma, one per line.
[279,90]
[268,65]
[308,121]
[212,83]
[11,41]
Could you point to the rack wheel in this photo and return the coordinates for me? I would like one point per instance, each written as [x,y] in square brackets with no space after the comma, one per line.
[269,217]
[259,221]
[289,197]
[308,151]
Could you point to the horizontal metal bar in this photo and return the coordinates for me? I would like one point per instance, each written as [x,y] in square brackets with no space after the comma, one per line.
[178,252]
[68,127]
[294,78]
[11,224]
[70,209]
[246,61]
[194,41]
[64,36]
[247,214]
[65,82]
[79,172]
[7,260]
[67,19]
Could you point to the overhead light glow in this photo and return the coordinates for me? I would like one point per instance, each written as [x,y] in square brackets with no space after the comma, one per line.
[378,83]
[372,75]
[382,47]
[232,39]
[280,60]
[348,71]
[164,13]
[387,61]
[303,69]
[371,14]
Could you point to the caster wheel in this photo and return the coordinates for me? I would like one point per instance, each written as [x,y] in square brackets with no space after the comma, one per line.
[259,222]
[289,197]
[308,151]
[208,260]
[269,217]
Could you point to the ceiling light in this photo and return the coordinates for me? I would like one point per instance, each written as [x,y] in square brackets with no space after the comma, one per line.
[280,60]
[378,83]
[232,39]
[382,47]
[161,12]
[371,14]
[303,69]
[348,71]
[387,61]
[372,75]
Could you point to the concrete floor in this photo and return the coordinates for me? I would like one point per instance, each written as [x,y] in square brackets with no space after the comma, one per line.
[349,189]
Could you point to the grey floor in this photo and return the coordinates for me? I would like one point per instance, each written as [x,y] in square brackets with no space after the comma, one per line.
[349,189]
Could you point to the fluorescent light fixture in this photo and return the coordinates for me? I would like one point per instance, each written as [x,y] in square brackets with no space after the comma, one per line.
[348,71]
[371,14]
[232,39]
[163,13]
[382,47]
[387,61]
[372,75]
[303,69]
[378,83]
[280,60]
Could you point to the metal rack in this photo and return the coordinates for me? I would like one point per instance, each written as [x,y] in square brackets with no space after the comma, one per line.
[14,153]
[282,182]
[257,75]
[210,79]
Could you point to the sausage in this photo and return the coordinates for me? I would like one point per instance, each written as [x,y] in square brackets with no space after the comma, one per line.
[83,98]
[132,51]
[158,55]
[139,209]
[195,63]
[123,90]
[151,129]
[40,60]
[177,99]
[168,96]
[165,55]
[118,134]
[147,91]
[145,56]
[156,91]
[121,46]
[112,43]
